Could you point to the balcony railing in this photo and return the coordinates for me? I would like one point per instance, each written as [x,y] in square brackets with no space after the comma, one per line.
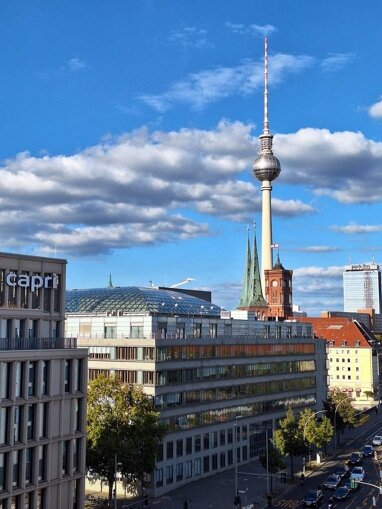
[37,343]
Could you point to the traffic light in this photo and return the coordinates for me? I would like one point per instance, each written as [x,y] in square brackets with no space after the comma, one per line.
[353,484]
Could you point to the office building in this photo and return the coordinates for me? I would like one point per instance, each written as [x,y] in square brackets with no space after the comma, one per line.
[362,287]
[217,378]
[42,389]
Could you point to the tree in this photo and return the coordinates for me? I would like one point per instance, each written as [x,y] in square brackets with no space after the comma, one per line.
[317,432]
[341,413]
[121,425]
[288,439]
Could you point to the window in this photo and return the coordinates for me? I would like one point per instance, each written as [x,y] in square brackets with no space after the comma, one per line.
[188,469]
[206,464]
[198,443]
[65,457]
[159,477]
[160,452]
[18,378]
[76,456]
[110,332]
[180,331]
[28,465]
[169,474]
[230,457]
[41,462]
[4,380]
[230,436]
[214,461]
[44,378]
[15,469]
[222,459]
[189,445]
[31,378]
[197,466]
[197,330]
[179,448]
[222,437]
[30,422]
[16,424]
[2,471]
[213,330]
[67,376]
[206,441]
[169,450]
[43,420]
[3,425]
[179,471]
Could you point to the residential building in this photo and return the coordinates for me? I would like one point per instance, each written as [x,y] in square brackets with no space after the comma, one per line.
[353,358]
[42,389]
[217,378]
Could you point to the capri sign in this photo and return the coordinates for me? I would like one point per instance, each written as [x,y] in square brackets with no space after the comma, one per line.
[33,282]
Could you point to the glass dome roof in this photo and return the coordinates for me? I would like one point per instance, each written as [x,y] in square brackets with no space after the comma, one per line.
[132,299]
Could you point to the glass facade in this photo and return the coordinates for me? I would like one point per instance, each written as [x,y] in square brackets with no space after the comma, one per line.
[362,290]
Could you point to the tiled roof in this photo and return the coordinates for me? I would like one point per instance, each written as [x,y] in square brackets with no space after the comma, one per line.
[338,330]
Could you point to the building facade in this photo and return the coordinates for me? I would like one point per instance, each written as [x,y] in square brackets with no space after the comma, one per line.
[217,378]
[43,380]
[353,358]
[362,287]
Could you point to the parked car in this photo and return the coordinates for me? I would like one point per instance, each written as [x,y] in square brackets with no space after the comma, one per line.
[332,482]
[368,451]
[377,440]
[313,498]
[341,493]
[357,474]
[355,458]
[342,470]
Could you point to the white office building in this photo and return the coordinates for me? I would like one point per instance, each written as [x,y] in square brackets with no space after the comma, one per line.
[43,379]
[362,287]
[217,378]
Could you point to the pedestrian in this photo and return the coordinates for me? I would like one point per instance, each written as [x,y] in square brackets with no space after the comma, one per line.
[302,479]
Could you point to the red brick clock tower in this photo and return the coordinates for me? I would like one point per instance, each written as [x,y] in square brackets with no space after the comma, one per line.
[278,291]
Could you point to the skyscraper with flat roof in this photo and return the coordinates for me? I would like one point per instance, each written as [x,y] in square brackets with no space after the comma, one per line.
[362,287]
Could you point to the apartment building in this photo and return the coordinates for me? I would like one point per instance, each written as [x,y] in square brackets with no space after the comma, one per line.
[43,379]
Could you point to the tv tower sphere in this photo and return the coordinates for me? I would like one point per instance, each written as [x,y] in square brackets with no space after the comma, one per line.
[266,167]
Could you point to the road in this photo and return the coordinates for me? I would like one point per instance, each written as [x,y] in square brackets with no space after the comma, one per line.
[217,492]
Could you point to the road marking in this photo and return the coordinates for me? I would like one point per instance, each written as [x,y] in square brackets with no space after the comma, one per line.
[283,502]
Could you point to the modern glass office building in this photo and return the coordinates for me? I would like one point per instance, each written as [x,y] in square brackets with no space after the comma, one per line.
[43,379]
[362,287]
[217,378]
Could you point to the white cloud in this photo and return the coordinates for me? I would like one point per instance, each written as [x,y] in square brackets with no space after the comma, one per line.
[130,190]
[319,249]
[76,64]
[336,61]
[258,30]
[207,86]
[354,228]
[190,37]
[314,272]
[343,165]
[375,110]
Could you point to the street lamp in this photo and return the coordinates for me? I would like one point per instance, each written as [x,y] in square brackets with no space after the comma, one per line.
[235,452]
[303,435]
[335,422]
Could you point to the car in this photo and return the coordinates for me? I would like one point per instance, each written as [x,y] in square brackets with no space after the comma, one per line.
[355,458]
[312,498]
[368,451]
[341,493]
[332,482]
[377,440]
[357,474]
[342,470]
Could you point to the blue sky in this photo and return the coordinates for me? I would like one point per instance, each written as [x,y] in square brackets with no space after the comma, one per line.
[129,127]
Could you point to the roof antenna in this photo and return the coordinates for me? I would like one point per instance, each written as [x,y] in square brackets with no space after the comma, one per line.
[266,121]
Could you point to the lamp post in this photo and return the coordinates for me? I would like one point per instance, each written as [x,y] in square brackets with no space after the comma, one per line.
[335,423]
[303,435]
[235,452]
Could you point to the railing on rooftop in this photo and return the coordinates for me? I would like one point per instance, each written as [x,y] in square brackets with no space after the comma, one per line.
[37,343]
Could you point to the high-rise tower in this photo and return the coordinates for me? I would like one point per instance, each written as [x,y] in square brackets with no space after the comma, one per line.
[266,168]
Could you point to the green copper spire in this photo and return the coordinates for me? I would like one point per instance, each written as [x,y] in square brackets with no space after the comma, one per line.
[245,293]
[110,282]
[255,292]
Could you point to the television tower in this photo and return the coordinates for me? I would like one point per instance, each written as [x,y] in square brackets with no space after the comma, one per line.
[266,168]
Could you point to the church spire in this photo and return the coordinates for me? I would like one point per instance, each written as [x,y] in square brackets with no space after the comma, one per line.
[245,293]
[256,294]
[110,285]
